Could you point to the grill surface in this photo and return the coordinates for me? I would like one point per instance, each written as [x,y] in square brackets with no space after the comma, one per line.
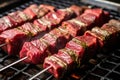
[104,66]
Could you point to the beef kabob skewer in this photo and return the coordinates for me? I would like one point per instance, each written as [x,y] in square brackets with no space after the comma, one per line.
[71,55]
[77,11]
[36,50]
[17,18]
[28,30]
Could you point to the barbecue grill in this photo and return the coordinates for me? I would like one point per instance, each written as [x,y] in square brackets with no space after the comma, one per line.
[103,66]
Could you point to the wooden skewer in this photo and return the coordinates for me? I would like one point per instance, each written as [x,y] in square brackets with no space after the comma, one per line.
[40,73]
[1,45]
[13,63]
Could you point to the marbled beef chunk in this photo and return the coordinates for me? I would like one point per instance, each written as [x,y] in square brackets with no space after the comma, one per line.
[5,23]
[73,57]
[57,66]
[115,23]
[34,11]
[78,10]
[16,18]
[90,47]
[31,29]
[88,19]
[77,46]
[43,23]
[114,34]
[61,38]
[99,13]
[56,41]
[12,40]
[68,58]
[39,49]
[100,37]
[34,54]
[75,27]
[49,7]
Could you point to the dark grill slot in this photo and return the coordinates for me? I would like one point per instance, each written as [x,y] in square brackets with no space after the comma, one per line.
[102,67]
[113,76]
[99,71]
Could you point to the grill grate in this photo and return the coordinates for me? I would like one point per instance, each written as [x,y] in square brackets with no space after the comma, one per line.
[102,67]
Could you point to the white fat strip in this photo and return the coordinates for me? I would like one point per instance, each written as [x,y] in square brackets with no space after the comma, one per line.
[78,22]
[54,16]
[103,32]
[7,21]
[60,62]
[21,14]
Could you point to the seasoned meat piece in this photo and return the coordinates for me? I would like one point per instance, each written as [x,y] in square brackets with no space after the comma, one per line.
[74,58]
[58,66]
[61,62]
[5,23]
[75,27]
[68,58]
[89,19]
[98,13]
[36,51]
[49,7]
[29,11]
[98,36]
[16,18]
[90,47]
[23,16]
[52,40]
[44,24]
[34,54]
[61,38]
[34,11]
[12,40]
[40,44]
[114,34]
[30,29]
[77,46]
[115,23]
[78,10]
[101,32]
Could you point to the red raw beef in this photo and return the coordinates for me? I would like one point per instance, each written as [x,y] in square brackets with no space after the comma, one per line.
[12,40]
[15,17]
[78,10]
[78,48]
[56,69]
[91,44]
[5,23]
[36,53]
